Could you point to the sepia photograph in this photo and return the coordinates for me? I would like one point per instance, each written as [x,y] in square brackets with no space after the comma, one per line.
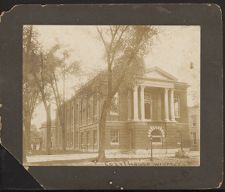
[111,95]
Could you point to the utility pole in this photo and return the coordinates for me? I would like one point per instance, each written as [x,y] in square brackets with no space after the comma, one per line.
[181,141]
[151,148]
[166,137]
[150,136]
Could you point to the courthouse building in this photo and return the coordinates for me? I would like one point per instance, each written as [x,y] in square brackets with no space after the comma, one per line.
[156,106]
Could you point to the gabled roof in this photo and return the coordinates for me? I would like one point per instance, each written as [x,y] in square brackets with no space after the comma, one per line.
[158,74]
[153,73]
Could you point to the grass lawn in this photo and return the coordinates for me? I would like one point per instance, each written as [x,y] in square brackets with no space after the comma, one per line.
[157,161]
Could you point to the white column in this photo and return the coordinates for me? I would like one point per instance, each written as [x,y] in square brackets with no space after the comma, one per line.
[135,102]
[142,102]
[172,105]
[166,104]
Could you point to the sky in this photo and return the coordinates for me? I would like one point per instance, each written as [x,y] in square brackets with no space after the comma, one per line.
[175,50]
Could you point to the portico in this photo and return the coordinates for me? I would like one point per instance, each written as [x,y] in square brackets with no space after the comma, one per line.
[148,98]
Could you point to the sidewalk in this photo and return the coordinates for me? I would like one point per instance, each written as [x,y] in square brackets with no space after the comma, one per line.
[115,155]
[60,157]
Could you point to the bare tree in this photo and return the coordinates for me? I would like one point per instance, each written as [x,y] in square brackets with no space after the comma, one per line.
[30,92]
[124,46]
[58,70]
[41,79]
[43,70]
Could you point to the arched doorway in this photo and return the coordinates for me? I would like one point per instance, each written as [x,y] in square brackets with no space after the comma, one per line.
[157,135]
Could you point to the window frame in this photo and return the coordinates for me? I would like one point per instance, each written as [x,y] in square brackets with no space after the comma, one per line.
[80,112]
[177,100]
[193,120]
[95,108]
[113,113]
[148,100]
[113,136]
[160,136]
[194,137]
[95,140]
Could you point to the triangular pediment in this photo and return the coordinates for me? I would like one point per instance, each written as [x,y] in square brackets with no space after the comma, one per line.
[159,74]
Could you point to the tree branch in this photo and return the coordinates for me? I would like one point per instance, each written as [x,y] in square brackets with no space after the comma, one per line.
[103,40]
[121,79]
[117,44]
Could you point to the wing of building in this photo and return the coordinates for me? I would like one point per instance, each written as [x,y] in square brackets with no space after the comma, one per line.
[155,107]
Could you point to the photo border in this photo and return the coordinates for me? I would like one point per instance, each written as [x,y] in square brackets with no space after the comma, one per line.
[208,16]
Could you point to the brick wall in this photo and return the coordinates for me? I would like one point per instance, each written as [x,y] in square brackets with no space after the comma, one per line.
[140,139]
[124,135]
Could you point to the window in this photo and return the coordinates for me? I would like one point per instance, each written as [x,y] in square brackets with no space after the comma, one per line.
[148,107]
[73,118]
[156,137]
[177,106]
[80,111]
[90,110]
[65,116]
[51,143]
[194,137]
[114,137]
[115,105]
[82,140]
[84,112]
[77,113]
[71,138]
[67,139]
[95,137]
[194,120]
[95,108]
[87,137]
[129,104]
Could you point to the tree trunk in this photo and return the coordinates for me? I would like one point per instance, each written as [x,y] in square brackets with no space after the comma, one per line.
[61,116]
[102,126]
[26,138]
[62,119]
[60,113]
[48,111]
[48,115]
[63,137]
